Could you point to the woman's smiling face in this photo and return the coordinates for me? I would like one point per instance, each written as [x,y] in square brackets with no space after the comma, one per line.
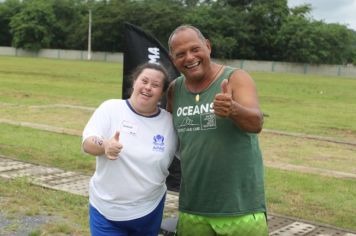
[148,89]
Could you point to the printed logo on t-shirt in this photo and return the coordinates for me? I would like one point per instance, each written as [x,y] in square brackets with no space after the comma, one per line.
[196,118]
[158,143]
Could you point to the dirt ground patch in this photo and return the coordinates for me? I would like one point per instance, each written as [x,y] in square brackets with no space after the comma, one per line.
[22,225]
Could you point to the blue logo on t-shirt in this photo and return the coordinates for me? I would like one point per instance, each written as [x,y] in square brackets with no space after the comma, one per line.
[158,139]
[158,143]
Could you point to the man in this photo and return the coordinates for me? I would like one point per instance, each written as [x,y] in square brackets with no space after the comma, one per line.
[216,114]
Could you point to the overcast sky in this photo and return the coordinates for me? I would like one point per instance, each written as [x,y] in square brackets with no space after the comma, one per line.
[331,11]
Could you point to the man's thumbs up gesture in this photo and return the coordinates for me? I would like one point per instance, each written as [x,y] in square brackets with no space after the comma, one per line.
[113,147]
[223,101]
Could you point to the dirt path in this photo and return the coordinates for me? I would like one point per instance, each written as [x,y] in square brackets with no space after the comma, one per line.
[313,137]
[309,170]
[278,165]
[49,178]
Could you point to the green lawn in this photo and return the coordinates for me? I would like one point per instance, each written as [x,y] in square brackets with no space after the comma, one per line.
[36,81]
[315,105]
[309,104]
[312,197]
[66,214]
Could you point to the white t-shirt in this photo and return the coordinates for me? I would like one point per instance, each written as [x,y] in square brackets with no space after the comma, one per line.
[132,185]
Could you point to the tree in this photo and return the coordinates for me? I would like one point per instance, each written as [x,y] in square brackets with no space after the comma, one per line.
[157,17]
[31,27]
[236,3]
[302,10]
[266,18]
[247,29]
[70,28]
[352,56]
[191,3]
[303,40]
[224,26]
[295,40]
[108,29]
[7,10]
[338,43]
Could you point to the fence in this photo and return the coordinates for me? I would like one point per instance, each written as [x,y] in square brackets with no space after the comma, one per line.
[248,65]
[286,67]
[62,54]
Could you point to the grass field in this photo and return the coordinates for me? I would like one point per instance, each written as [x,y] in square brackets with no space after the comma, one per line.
[54,92]
[309,104]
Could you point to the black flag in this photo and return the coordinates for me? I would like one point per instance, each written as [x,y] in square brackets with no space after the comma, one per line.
[142,47]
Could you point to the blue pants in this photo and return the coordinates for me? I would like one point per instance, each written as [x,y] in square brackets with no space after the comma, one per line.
[148,225]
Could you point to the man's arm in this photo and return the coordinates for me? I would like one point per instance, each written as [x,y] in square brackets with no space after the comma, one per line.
[238,100]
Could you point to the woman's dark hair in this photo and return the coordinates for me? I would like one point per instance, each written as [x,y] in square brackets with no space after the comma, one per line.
[148,65]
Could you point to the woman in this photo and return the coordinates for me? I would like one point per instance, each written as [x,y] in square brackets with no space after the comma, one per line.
[134,143]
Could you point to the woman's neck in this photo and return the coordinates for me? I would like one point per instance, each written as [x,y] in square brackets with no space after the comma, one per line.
[143,111]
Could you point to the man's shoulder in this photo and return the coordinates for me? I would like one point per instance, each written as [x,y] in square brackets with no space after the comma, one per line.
[231,68]
[179,78]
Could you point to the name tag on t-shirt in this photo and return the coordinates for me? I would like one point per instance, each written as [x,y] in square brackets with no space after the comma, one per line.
[128,127]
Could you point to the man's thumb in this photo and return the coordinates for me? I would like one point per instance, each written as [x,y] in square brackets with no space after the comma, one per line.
[117,136]
[225,88]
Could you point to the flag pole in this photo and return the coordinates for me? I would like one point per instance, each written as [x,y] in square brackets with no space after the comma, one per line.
[89,36]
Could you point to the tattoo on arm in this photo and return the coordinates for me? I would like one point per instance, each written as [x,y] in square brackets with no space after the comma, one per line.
[97,141]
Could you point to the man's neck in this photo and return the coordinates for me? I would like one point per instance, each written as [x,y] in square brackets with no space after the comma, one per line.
[199,85]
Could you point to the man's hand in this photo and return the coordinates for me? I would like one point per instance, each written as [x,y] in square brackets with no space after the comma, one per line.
[113,147]
[223,102]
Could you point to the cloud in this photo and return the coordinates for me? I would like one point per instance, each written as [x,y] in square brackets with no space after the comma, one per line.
[330,11]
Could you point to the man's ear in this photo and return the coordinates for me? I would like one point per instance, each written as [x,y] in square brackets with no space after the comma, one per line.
[172,59]
[208,44]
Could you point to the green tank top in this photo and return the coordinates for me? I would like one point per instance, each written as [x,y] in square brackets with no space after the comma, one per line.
[222,168]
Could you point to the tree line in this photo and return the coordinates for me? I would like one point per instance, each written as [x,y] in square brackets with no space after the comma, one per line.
[237,29]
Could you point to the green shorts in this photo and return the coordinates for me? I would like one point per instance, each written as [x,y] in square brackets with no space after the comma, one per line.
[245,225]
